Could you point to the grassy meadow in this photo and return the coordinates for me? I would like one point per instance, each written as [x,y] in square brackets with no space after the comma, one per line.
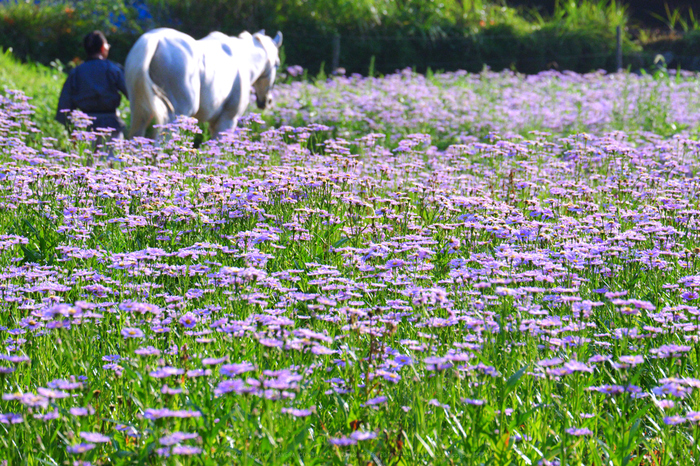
[446,269]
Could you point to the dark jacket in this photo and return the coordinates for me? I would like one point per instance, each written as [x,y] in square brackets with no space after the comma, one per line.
[93,88]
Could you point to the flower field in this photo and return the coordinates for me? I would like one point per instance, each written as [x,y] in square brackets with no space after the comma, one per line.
[451,269]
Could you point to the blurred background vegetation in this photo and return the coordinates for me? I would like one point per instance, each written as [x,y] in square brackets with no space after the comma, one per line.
[43,39]
[523,35]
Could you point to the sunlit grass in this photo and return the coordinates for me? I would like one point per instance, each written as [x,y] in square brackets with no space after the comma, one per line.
[344,294]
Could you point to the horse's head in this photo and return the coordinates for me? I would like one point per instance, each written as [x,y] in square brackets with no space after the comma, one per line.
[264,83]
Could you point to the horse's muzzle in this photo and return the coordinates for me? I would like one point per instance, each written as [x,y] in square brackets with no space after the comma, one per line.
[264,103]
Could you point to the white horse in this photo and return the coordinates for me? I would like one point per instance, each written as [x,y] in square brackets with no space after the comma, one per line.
[168,73]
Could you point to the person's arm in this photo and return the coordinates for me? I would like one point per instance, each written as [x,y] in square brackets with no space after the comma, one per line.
[119,80]
[65,102]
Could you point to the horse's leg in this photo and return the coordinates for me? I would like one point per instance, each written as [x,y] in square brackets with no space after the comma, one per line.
[223,124]
[169,118]
[139,123]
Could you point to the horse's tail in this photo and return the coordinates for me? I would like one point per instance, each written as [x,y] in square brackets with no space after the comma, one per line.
[146,99]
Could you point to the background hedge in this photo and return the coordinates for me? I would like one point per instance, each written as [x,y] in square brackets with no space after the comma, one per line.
[440,34]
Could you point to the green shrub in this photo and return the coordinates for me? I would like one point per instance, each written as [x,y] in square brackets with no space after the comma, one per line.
[46,31]
[440,34]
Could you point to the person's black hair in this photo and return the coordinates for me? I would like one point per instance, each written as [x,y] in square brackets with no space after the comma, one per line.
[93,42]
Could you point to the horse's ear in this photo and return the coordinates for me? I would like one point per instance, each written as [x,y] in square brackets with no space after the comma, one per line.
[261,32]
[278,39]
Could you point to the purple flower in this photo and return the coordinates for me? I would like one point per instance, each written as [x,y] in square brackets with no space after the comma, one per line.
[342,441]
[388,376]
[474,402]
[50,416]
[132,333]
[234,386]
[674,420]
[186,450]
[295,71]
[361,436]
[402,360]
[434,360]
[608,389]
[15,358]
[164,372]
[177,437]
[129,431]
[165,389]
[665,404]
[299,412]
[232,370]
[395,264]
[668,351]
[140,308]
[188,320]
[152,413]
[550,362]
[192,373]
[576,366]
[78,411]
[579,432]
[49,393]
[632,360]
[437,363]
[436,402]
[94,437]
[147,351]
[671,388]
[32,400]
[559,371]
[80,448]
[214,361]
[65,384]
[376,401]
[11,418]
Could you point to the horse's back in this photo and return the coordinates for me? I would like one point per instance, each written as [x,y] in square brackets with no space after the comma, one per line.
[173,46]
[167,34]
[222,61]
[175,68]
[170,50]
[210,78]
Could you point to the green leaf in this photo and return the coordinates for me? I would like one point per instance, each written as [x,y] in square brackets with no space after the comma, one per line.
[298,439]
[341,242]
[514,379]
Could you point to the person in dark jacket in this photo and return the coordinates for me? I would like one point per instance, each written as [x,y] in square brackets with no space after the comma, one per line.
[94,87]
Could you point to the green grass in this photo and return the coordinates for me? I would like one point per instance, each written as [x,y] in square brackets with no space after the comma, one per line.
[490,255]
[41,83]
